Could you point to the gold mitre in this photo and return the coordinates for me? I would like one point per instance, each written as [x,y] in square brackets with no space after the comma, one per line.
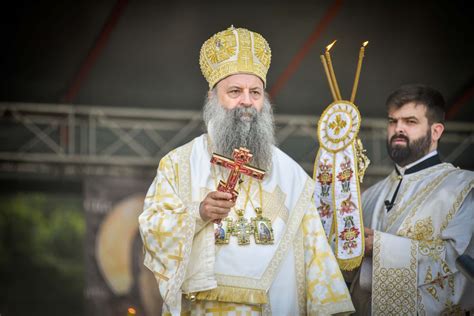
[234,51]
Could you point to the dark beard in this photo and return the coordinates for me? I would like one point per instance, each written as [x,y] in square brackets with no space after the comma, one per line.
[411,152]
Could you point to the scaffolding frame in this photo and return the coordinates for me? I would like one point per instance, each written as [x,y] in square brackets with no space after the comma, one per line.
[99,140]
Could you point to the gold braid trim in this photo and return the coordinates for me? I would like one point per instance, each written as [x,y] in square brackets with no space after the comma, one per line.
[350,264]
[234,295]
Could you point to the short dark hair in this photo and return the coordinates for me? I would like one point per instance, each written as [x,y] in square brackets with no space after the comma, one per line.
[420,94]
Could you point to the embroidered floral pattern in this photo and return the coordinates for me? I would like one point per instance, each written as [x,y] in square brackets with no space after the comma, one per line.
[346,174]
[325,177]
[337,132]
[349,234]
[347,206]
[324,209]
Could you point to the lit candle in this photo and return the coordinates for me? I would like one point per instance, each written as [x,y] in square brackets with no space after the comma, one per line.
[131,311]
[331,71]
[359,67]
[325,65]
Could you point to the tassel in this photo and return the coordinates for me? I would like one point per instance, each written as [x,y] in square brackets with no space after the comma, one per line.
[350,264]
[234,295]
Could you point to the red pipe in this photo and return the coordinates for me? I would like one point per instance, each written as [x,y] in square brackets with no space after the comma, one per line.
[460,102]
[296,61]
[95,51]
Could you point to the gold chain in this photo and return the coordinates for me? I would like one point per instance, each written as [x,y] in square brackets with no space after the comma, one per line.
[247,198]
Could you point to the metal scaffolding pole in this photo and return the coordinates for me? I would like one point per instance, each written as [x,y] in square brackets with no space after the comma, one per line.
[95,140]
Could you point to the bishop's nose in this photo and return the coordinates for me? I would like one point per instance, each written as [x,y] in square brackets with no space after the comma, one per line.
[246,99]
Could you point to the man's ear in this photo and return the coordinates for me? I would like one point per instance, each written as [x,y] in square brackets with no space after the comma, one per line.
[437,130]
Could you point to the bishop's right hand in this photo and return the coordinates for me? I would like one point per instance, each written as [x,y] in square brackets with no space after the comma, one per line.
[216,206]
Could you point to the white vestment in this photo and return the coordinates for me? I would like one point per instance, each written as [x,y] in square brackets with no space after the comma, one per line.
[298,274]
[413,268]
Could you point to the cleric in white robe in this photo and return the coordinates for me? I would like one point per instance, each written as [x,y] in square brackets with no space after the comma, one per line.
[420,218]
[269,254]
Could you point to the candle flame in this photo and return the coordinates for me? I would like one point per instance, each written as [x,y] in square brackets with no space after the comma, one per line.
[131,311]
[330,45]
[365,43]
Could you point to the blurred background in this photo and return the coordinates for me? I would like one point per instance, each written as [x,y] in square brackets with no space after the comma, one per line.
[94,93]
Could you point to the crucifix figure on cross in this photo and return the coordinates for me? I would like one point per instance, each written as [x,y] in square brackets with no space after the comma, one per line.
[238,166]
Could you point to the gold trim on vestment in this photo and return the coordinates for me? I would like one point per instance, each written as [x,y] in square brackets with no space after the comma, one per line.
[399,209]
[394,290]
[233,295]
[457,203]
[414,204]
[300,271]
[185,192]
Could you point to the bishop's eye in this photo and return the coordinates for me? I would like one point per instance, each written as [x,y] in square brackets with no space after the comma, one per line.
[256,93]
[234,93]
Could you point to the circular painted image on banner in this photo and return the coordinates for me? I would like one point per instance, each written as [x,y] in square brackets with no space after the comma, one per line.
[338,126]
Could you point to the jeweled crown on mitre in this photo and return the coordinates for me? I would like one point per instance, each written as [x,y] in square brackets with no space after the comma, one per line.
[235,50]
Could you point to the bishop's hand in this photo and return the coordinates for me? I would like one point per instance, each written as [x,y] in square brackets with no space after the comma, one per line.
[216,206]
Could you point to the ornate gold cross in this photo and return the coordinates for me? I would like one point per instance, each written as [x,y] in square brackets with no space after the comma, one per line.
[238,166]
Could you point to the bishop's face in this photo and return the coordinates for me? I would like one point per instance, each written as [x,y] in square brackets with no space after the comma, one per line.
[409,133]
[241,90]
[237,114]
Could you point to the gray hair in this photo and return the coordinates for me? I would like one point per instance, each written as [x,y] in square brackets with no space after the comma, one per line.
[241,127]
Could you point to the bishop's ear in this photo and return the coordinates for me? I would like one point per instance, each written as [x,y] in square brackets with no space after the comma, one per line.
[437,130]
